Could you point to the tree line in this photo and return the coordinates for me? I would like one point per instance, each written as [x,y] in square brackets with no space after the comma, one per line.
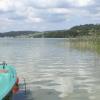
[81,30]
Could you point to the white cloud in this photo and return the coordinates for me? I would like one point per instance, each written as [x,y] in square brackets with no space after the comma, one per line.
[19,5]
[31,15]
[34,20]
[80,3]
[55,3]
[43,12]
[6,5]
[45,3]
[59,10]
[5,23]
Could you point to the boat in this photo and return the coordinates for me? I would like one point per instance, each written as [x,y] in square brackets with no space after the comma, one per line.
[8,81]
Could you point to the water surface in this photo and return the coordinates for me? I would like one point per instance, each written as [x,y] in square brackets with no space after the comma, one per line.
[54,69]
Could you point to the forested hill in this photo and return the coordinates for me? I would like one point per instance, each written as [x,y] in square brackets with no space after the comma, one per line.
[82,30]
[18,34]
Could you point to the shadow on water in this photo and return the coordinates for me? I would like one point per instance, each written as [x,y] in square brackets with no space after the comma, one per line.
[36,94]
[39,94]
[21,95]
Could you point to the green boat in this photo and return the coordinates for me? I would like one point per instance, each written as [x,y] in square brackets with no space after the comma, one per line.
[8,80]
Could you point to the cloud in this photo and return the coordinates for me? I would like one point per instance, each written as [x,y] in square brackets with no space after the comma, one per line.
[59,3]
[59,10]
[6,5]
[47,14]
[80,3]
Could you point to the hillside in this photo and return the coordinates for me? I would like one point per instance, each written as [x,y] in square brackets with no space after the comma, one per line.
[19,34]
[82,30]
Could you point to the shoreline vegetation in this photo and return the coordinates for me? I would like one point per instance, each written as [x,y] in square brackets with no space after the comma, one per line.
[83,37]
[90,45]
[87,31]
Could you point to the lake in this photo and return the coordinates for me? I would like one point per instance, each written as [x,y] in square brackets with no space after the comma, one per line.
[54,69]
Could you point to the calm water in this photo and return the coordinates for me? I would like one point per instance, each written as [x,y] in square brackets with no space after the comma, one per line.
[53,69]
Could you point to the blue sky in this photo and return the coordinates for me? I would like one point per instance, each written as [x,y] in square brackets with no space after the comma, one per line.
[41,15]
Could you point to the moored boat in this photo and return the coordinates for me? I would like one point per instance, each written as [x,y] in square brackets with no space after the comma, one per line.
[8,81]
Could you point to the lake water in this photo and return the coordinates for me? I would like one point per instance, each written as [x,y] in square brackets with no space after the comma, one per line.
[53,68]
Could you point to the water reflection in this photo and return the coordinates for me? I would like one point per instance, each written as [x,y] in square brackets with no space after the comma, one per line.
[53,68]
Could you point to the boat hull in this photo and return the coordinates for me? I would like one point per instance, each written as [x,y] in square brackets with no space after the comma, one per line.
[7,81]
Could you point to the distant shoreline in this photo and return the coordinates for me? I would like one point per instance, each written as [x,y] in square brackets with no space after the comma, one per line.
[87,30]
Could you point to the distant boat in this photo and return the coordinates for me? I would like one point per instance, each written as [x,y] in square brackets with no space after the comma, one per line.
[8,81]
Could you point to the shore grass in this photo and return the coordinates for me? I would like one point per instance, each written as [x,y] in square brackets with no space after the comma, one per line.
[86,43]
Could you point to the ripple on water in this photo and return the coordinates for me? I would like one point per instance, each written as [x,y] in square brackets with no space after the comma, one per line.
[53,71]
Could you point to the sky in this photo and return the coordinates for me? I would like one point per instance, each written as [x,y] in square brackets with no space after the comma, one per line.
[43,15]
